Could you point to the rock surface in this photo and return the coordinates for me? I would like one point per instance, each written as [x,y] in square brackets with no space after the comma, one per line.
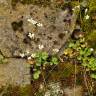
[16,72]
[14,28]
[15,39]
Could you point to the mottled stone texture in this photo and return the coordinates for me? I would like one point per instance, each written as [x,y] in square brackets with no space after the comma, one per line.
[14,29]
[16,72]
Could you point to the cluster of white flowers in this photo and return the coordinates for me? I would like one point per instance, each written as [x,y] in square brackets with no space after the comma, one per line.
[33,55]
[39,24]
[55,50]
[28,55]
[32,21]
[35,22]
[40,47]
[22,55]
[31,35]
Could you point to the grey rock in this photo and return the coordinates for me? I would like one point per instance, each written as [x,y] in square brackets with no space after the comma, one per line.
[16,72]
[51,35]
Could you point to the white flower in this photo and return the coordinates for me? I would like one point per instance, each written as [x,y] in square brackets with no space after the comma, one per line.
[39,24]
[22,55]
[41,86]
[66,32]
[32,21]
[73,9]
[56,50]
[27,51]
[40,47]
[87,17]
[33,55]
[91,49]
[86,10]
[31,35]
[76,7]
[29,58]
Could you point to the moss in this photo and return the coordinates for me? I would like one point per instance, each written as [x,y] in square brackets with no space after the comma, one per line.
[68,70]
[87,25]
[19,91]
[25,91]
[91,39]
[3,60]
[92,13]
[12,91]
[92,5]
[39,94]
[65,70]
[14,2]
[75,3]
[37,2]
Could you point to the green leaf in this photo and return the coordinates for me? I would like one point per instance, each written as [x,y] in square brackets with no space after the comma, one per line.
[1,57]
[93,75]
[54,61]
[71,45]
[38,62]
[38,54]
[36,74]
[44,55]
[79,57]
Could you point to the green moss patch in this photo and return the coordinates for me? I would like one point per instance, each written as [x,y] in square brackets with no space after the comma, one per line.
[91,38]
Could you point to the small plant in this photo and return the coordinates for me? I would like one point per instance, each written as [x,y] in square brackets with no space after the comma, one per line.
[2,59]
[36,74]
[41,60]
[84,54]
[54,61]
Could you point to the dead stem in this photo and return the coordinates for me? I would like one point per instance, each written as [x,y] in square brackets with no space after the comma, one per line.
[86,82]
[75,79]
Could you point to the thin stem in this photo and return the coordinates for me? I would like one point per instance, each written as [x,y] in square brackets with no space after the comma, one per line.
[86,83]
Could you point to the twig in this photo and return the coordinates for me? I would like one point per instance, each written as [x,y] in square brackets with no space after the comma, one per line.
[75,79]
[85,80]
